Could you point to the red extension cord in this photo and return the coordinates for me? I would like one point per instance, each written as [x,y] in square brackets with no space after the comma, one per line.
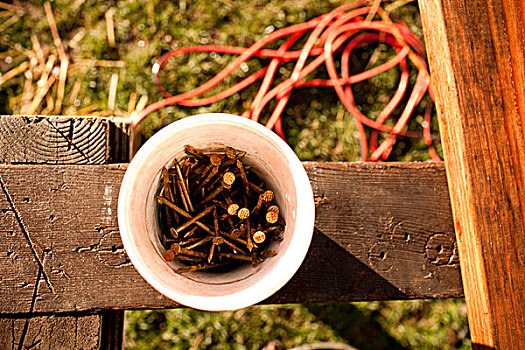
[340,30]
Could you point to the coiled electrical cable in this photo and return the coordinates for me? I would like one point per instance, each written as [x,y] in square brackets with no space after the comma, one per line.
[339,31]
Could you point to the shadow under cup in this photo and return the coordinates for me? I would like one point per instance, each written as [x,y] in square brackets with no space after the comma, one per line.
[276,165]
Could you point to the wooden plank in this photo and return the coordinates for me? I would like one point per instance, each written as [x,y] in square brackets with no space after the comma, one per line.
[62,140]
[51,332]
[383,231]
[477,58]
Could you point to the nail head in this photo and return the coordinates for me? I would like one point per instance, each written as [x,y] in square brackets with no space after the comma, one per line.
[272,217]
[259,237]
[233,209]
[243,213]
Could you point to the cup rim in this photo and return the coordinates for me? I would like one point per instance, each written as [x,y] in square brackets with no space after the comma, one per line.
[276,278]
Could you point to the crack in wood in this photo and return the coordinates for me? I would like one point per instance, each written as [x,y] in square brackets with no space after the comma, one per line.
[52,330]
[59,270]
[26,233]
[13,343]
[31,308]
[36,341]
[100,248]
[70,142]
[76,331]
[71,132]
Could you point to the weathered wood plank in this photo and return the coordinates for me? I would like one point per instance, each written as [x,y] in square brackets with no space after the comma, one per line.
[61,140]
[477,58]
[383,231]
[51,332]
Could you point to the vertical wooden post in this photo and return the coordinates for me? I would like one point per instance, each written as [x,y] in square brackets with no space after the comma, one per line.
[476,53]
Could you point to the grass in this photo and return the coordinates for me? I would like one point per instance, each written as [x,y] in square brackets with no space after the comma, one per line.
[316,125]
[419,324]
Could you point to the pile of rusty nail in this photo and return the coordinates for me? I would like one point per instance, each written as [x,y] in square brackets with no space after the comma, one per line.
[216,211]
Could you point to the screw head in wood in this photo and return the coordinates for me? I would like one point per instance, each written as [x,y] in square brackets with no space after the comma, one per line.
[272,217]
[228,178]
[243,213]
[233,209]
[259,237]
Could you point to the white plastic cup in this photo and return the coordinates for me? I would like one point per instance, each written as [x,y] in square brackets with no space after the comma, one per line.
[276,164]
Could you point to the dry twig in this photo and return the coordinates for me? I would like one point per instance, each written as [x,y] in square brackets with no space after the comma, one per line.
[14,72]
[112,91]
[7,23]
[110,26]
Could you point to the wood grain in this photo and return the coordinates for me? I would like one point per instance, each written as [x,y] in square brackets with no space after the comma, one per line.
[51,332]
[61,140]
[383,231]
[477,62]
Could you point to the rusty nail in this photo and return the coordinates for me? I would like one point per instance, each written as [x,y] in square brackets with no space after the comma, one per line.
[195,218]
[272,217]
[199,267]
[198,243]
[233,209]
[228,178]
[177,249]
[174,232]
[169,255]
[259,237]
[192,151]
[235,256]
[243,213]
[183,187]
[215,160]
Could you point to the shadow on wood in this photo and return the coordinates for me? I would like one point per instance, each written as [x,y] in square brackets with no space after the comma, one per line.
[326,265]
[382,232]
